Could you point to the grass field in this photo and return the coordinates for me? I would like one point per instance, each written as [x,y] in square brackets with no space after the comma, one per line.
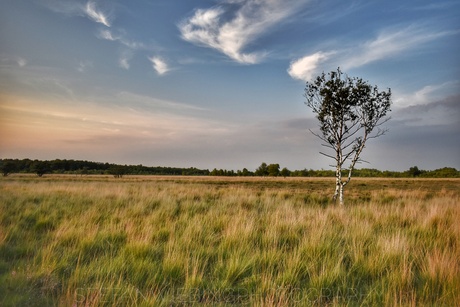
[173,241]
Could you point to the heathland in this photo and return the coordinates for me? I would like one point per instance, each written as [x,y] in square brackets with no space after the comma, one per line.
[162,241]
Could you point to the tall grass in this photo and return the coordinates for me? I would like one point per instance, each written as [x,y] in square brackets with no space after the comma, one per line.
[160,241]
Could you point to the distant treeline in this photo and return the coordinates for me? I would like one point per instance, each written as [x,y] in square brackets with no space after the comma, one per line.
[8,166]
[273,170]
[78,167]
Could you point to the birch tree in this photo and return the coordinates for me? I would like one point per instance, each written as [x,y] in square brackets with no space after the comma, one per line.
[350,112]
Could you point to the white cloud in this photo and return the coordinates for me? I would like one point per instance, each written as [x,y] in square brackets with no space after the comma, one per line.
[17,60]
[67,7]
[230,32]
[124,62]
[21,61]
[445,111]
[74,8]
[390,43]
[305,68]
[148,102]
[97,16]
[124,59]
[84,66]
[160,66]
[427,94]
[106,34]
[120,37]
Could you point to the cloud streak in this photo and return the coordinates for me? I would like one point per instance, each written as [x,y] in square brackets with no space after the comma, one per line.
[160,66]
[388,44]
[19,61]
[129,46]
[101,126]
[151,103]
[427,94]
[232,26]
[124,59]
[83,66]
[73,8]
[445,111]
[97,16]
[110,36]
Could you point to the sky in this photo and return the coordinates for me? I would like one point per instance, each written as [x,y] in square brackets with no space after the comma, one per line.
[220,83]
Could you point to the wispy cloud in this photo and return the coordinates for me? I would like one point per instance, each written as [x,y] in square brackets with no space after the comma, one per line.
[160,66]
[305,67]
[146,102]
[427,94]
[232,26]
[436,6]
[124,59]
[99,123]
[14,60]
[83,66]
[107,35]
[129,46]
[390,43]
[119,37]
[93,13]
[74,8]
[21,61]
[124,62]
[445,111]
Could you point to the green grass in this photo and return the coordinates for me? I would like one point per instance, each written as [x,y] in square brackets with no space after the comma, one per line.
[143,241]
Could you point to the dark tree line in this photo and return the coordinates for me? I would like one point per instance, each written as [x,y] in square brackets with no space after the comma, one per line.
[273,170]
[9,166]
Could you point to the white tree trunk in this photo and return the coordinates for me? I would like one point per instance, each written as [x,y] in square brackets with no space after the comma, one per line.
[341,194]
[338,184]
[337,188]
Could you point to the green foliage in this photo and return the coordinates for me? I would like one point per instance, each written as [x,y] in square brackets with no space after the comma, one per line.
[40,168]
[414,172]
[273,170]
[7,167]
[445,172]
[262,170]
[91,168]
[117,171]
[285,172]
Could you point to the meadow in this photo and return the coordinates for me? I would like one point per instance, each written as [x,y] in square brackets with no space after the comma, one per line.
[190,241]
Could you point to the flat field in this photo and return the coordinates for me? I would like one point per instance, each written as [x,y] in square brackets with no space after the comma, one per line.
[184,241]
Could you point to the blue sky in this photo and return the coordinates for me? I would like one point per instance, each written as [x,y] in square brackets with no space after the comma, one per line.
[211,83]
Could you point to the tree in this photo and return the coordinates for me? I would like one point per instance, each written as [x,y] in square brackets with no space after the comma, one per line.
[117,171]
[285,172]
[245,172]
[40,167]
[7,167]
[414,171]
[273,170]
[262,170]
[84,171]
[348,110]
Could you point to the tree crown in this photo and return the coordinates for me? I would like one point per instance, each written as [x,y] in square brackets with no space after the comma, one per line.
[344,106]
